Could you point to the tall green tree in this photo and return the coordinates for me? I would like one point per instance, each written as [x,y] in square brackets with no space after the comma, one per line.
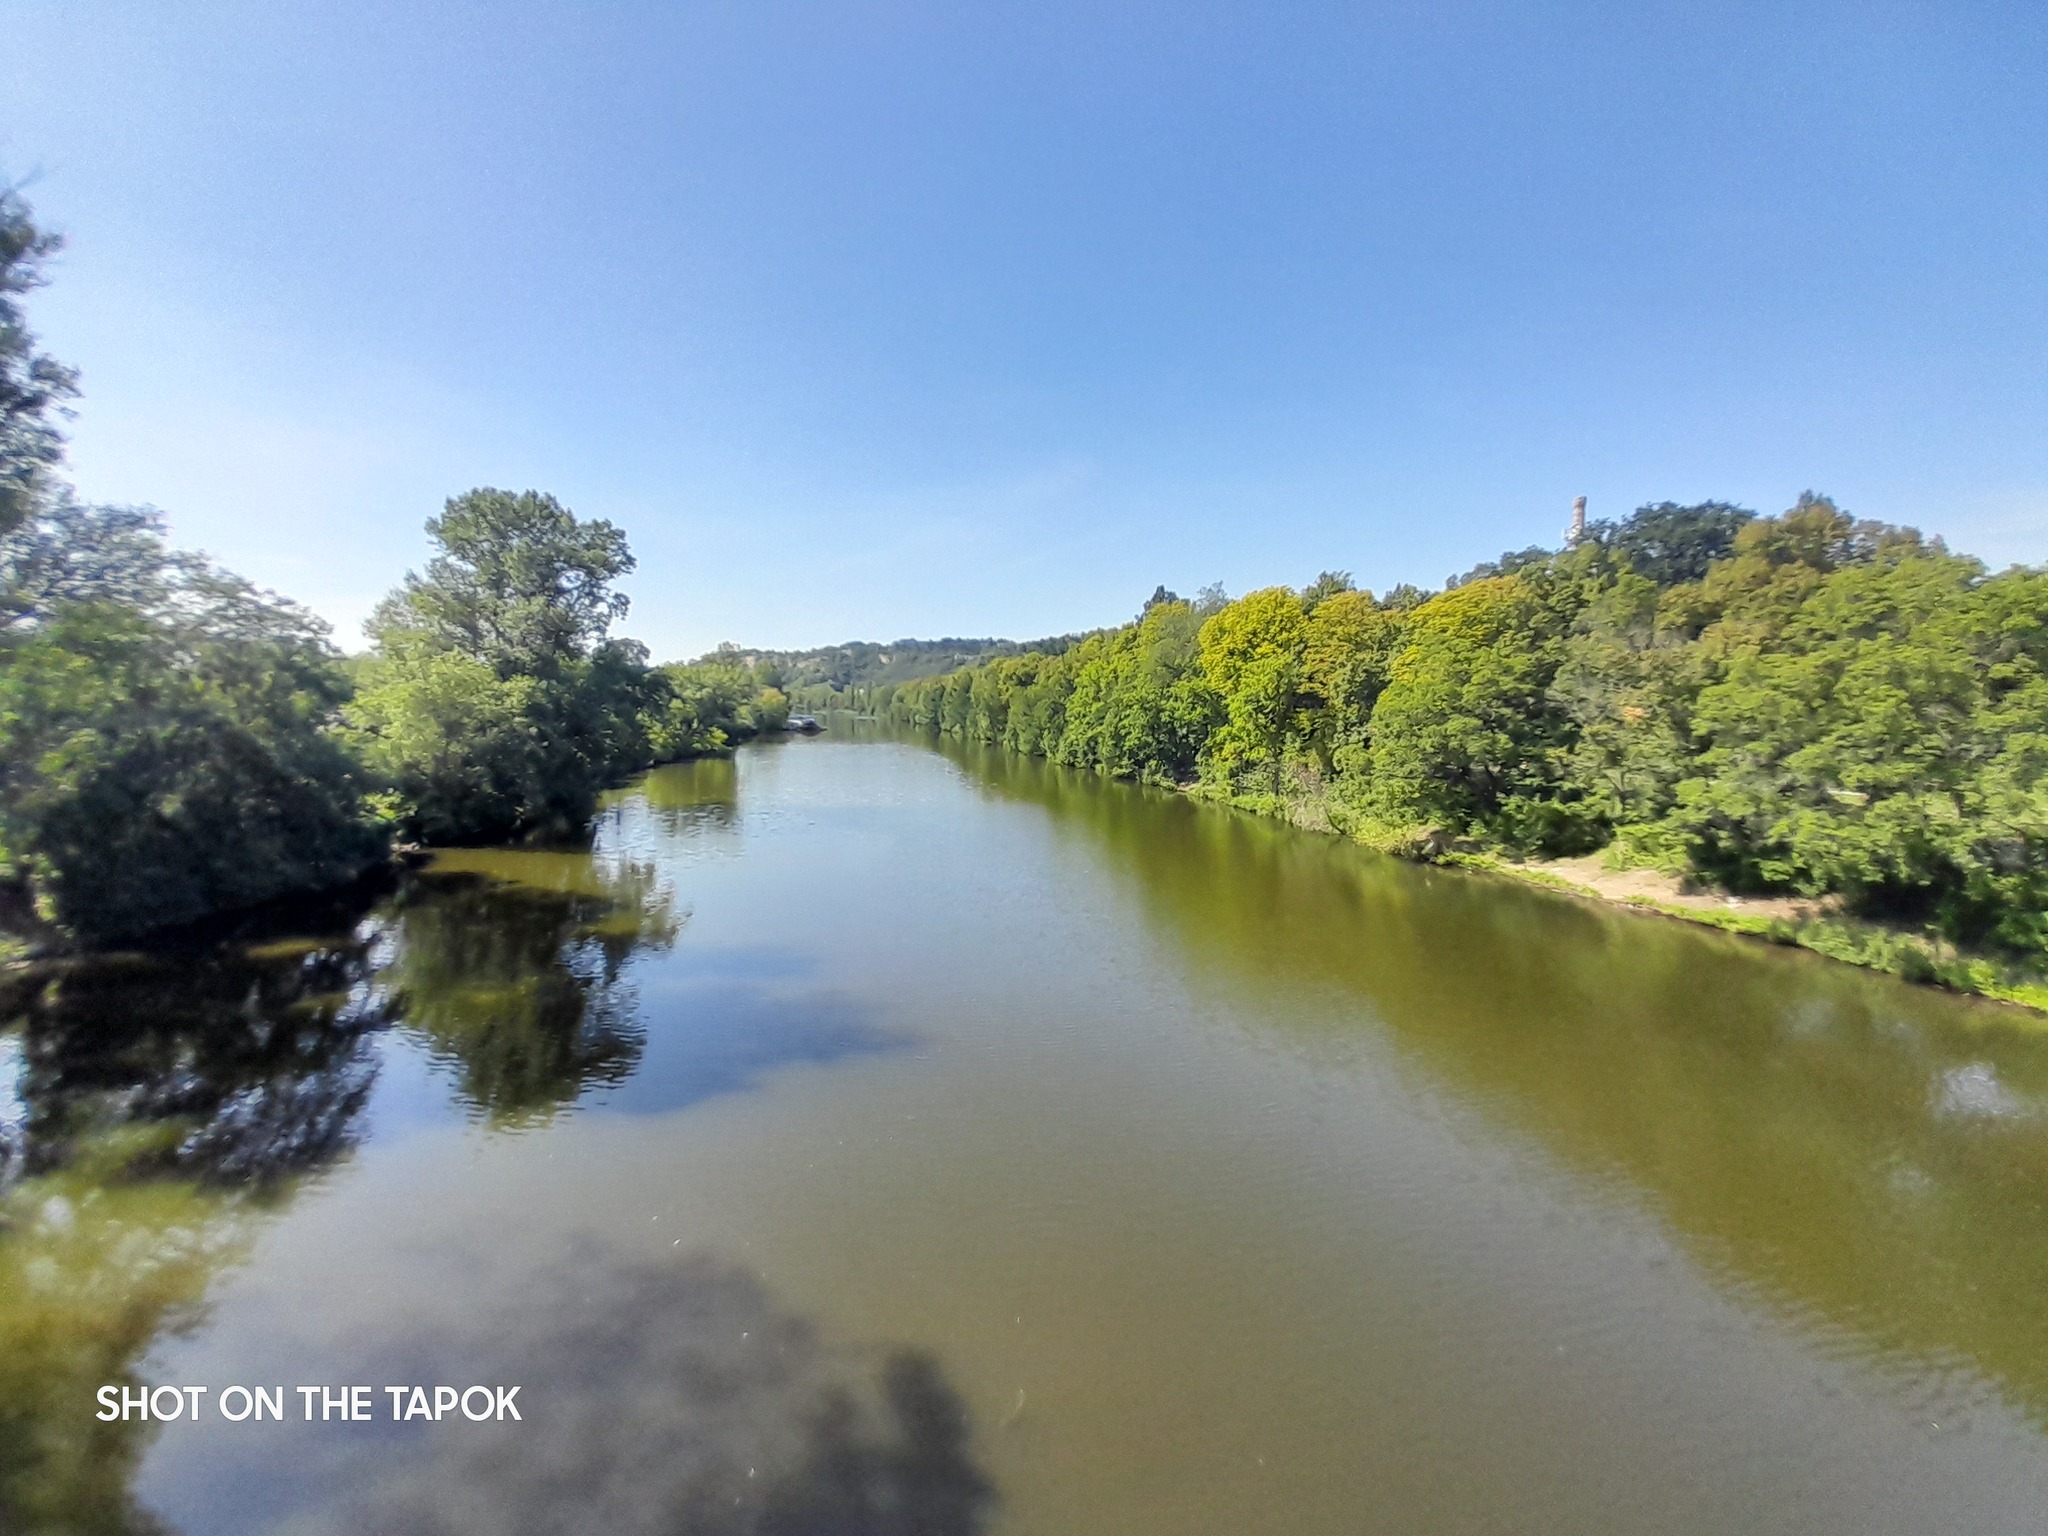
[1462,736]
[1348,652]
[33,385]
[519,584]
[1253,657]
[165,750]
[1626,688]
[495,704]
[1666,543]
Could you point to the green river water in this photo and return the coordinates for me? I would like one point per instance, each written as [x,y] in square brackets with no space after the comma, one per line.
[868,1137]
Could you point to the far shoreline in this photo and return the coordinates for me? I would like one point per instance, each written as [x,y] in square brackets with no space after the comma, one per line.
[1816,924]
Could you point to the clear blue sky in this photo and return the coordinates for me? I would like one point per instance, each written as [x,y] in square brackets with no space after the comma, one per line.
[869,320]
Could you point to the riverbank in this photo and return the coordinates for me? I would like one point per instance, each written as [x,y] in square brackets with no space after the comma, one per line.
[1819,925]
[1813,925]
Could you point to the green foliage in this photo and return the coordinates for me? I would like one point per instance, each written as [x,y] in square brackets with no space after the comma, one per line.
[1348,651]
[164,751]
[1626,692]
[1803,704]
[165,741]
[173,742]
[1139,706]
[851,675]
[460,745]
[1132,702]
[494,705]
[702,708]
[1252,656]
[1880,739]
[519,584]
[33,385]
[1667,544]
[1464,736]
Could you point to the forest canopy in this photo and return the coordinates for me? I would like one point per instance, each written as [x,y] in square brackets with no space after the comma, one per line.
[1806,703]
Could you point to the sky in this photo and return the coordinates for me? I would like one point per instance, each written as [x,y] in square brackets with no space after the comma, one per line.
[868,320]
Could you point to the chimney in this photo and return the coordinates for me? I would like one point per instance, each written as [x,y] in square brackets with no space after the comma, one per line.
[1578,528]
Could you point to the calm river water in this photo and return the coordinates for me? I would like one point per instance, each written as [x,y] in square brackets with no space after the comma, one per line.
[874,1138]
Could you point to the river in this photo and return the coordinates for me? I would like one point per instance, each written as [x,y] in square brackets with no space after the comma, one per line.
[865,1136]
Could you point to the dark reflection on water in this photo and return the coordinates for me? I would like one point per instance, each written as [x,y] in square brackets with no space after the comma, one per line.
[156,1102]
[513,969]
[235,1067]
[519,986]
[1871,1156]
[154,1108]
[687,798]
[659,1399]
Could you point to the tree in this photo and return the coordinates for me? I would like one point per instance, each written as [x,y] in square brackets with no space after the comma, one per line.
[1252,656]
[1328,584]
[1808,702]
[70,552]
[1347,651]
[1139,707]
[1832,756]
[1666,543]
[1159,595]
[164,742]
[459,746]
[520,584]
[494,704]
[1626,688]
[33,385]
[1461,735]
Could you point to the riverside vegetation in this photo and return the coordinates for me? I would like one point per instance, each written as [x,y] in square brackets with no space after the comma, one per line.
[1807,705]
[175,743]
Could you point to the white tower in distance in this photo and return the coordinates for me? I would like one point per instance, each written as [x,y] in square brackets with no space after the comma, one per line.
[1577,531]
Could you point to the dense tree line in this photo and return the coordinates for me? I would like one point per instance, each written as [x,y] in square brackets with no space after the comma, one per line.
[1805,703]
[175,743]
[838,676]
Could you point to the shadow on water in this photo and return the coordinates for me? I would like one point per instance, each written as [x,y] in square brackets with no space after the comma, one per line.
[729,1018]
[658,1398]
[157,1105]
[1870,1156]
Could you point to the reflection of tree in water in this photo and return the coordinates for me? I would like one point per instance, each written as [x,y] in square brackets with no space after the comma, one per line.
[237,1067]
[682,798]
[152,1100]
[149,1104]
[519,985]
[669,1400]
[1857,1149]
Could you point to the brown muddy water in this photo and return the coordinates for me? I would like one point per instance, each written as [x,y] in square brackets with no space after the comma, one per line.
[871,1138]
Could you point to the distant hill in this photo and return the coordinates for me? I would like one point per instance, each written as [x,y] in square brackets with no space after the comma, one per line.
[869,663]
